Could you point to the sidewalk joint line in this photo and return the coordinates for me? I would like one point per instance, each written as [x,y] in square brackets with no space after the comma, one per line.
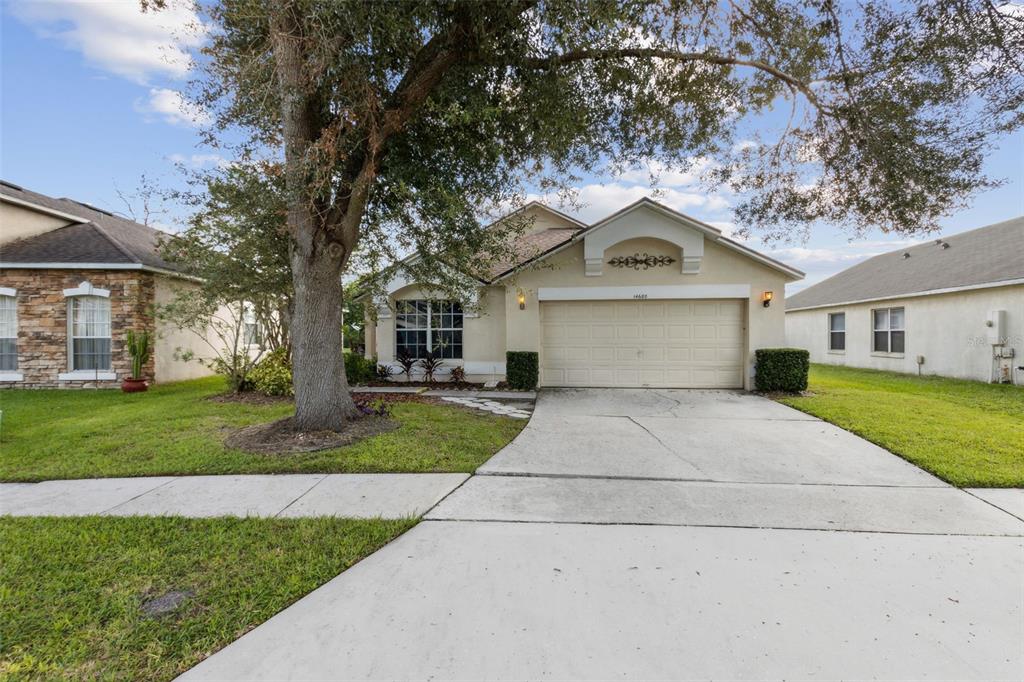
[132,499]
[992,504]
[306,492]
[734,527]
[526,474]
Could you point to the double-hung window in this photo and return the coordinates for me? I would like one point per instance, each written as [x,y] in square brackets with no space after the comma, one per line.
[89,333]
[889,335]
[8,333]
[837,331]
[424,326]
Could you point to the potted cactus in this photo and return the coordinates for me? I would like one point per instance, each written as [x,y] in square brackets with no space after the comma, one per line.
[138,347]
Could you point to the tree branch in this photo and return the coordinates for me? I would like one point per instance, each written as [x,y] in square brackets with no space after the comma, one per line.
[677,56]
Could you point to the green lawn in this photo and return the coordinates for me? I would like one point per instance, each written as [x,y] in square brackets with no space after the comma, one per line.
[73,589]
[174,429]
[968,433]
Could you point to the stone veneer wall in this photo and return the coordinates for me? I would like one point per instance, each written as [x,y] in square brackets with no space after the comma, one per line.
[43,321]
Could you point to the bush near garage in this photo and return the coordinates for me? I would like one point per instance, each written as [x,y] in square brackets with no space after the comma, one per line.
[781,369]
[522,369]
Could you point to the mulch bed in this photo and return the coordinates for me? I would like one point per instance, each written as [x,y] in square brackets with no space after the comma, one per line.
[280,438]
[251,398]
[466,386]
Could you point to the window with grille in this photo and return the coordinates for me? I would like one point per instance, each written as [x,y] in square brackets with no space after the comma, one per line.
[837,331]
[8,333]
[89,332]
[889,334]
[423,327]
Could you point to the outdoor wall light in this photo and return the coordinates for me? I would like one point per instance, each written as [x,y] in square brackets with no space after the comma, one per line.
[766,298]
[522,300]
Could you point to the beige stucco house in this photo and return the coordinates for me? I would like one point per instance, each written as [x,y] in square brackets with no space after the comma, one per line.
[73,280]
[952,306]
[644,297]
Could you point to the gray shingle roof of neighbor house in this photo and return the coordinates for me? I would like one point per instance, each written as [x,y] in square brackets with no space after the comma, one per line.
[95,237]
[986,256]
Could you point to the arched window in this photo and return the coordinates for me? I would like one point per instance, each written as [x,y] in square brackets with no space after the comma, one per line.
[88,329]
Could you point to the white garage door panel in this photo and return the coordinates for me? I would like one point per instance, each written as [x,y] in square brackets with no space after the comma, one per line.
[686,344]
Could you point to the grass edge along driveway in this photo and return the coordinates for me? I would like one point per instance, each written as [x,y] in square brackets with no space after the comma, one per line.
[968,433]
[176,429]
[74,588]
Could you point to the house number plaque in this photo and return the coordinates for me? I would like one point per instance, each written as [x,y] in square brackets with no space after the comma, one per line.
[641,261]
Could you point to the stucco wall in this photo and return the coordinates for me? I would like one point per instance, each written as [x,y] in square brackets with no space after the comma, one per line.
[17,222]
[502,325]
[720,265]
[172,341]
[947,329]
[483,337]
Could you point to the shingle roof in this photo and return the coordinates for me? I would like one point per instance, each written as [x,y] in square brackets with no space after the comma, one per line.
[101,237]
[982,256]
[531,246]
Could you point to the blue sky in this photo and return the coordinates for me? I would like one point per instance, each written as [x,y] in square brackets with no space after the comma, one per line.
[89,103]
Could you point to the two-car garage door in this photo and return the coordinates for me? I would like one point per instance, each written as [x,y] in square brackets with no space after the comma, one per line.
[664,343]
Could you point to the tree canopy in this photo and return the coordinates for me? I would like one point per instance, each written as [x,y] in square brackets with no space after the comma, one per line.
[401,124]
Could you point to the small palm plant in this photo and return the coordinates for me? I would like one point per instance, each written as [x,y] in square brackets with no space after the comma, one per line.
[139,348]
[406,362]
[430,364]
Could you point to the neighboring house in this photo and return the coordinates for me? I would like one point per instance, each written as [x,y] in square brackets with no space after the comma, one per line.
[644,297]
[952,306]
[73,280]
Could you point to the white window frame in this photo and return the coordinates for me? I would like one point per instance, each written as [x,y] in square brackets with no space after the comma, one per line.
[888,329]
[249,320]
[12,375]
[429,328]
[830,332]
[85,289]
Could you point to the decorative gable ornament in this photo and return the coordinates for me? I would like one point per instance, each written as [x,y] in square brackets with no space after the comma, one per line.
[641,262]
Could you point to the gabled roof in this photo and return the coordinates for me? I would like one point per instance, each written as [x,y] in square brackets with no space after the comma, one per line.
[984,257]
[710,232]
[95,236]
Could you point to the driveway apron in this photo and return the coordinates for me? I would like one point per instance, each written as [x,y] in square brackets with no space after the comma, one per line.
[658,534]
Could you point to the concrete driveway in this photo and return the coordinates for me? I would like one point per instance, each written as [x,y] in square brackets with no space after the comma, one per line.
[671,535]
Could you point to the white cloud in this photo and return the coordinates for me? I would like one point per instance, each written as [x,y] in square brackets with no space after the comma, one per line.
[597,201]
[199,160]
[173,108]
[656,173]
[118,36]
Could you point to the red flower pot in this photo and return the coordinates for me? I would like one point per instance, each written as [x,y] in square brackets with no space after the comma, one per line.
[134,385]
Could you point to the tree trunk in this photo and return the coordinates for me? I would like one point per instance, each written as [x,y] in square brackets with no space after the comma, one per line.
[322,399]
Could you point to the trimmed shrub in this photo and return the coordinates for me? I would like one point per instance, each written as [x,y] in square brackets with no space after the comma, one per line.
[359,370]
[521,369]
[781,369]
[273,374]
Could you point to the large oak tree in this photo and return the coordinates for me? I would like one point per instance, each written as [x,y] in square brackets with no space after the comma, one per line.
[400,123]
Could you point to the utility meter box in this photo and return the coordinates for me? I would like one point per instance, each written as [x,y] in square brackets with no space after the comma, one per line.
[995,327]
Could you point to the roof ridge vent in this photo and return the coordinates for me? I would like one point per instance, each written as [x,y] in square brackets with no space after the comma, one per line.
[12,185]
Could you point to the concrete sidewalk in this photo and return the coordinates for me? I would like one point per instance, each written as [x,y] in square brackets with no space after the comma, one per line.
[650,534]
[289,495]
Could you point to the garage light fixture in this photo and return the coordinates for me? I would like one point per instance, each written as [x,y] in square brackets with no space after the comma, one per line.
[522,300]
[766,298]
